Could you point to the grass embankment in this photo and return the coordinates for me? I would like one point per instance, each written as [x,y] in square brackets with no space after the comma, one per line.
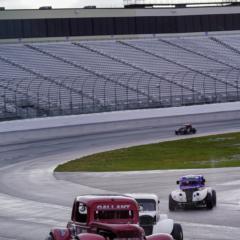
[203,152]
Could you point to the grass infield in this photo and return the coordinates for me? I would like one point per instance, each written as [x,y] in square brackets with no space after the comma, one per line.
[203,152]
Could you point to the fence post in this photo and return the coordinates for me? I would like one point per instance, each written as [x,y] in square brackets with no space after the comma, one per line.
[138,80]
[128,78]
[149,89]
[238,85]
[204,88]
[70,94]
[104,92]
[183,78]
[5,94]
[59,95]
[16,92]
[193,87]
[82,89]
[115,96]
[28,93]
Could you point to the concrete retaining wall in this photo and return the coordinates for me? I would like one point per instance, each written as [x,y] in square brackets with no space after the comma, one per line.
[22,131]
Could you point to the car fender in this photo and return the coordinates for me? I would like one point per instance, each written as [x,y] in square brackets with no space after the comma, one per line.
[162,236]
[200,195]
[209,189]
[61,234]
[163,226]
[179,196]
[163,217]
[89,236]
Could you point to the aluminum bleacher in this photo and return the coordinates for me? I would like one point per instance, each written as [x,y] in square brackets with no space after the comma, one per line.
[55,78]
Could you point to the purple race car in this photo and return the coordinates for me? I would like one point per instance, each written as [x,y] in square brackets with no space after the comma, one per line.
[192,193]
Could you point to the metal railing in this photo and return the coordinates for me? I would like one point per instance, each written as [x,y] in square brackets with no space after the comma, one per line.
[173,2]
[35,97]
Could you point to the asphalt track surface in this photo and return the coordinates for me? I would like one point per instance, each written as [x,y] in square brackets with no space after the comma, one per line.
[32,199]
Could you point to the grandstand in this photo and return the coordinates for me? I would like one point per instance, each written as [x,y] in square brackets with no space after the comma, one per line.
[82,76]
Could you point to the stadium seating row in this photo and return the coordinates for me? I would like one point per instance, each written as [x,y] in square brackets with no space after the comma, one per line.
[45,79]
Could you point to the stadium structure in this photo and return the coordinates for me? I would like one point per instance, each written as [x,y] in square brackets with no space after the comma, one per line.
[73,61]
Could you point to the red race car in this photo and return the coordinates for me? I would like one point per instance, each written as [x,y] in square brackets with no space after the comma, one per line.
[104,217]
[186,129]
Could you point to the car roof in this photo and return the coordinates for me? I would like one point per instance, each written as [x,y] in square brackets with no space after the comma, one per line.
[187,177]
[102,198]
[143,196]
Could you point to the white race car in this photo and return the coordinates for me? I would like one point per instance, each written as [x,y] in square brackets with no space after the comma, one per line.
[192,192]
[150,218]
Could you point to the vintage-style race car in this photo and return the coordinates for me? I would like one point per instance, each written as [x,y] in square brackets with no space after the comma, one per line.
[192,192]
[150,218]
[104,217]
[185,130]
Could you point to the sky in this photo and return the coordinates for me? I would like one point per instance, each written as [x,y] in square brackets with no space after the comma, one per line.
[24,4]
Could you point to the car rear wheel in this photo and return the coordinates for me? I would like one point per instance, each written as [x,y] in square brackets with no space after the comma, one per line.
[194,130]
[177,232]
[214,198]
[209,201]
[49,237]
[171,203]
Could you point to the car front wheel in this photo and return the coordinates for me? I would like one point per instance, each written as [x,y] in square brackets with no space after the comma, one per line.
[194,130]
[209,201]
[171,203]
[177,232]
[214,198]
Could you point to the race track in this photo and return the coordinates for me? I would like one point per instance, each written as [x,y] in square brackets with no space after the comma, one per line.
[32,200]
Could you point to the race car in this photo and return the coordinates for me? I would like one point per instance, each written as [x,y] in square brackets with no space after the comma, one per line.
[150,218]
[104,217]
[185,130]
[192,193]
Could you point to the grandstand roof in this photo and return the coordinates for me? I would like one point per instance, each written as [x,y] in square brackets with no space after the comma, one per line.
[113,12]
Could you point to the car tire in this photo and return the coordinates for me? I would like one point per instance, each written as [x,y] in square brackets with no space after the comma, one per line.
[177,232]
[176,132]
[49,237]
[209,201]
[214,197]
[171,203]
[194,130]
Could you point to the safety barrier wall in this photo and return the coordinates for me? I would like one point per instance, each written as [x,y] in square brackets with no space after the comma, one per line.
[22,131]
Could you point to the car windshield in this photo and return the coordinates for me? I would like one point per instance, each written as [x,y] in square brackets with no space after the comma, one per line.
[147,204]
[189,183]
[113,214]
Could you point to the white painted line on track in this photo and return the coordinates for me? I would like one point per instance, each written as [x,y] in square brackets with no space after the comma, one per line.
[17,208]
[6,238]
[50,222]
[199,231]
[211,226]
[231,183]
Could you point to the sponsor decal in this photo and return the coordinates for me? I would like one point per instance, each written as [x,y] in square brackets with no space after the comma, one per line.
[113,206]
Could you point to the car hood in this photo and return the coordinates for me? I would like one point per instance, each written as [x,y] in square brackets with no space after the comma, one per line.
[147,213]
[120,230]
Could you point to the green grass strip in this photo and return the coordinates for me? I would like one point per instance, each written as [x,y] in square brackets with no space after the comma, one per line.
[203,152]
